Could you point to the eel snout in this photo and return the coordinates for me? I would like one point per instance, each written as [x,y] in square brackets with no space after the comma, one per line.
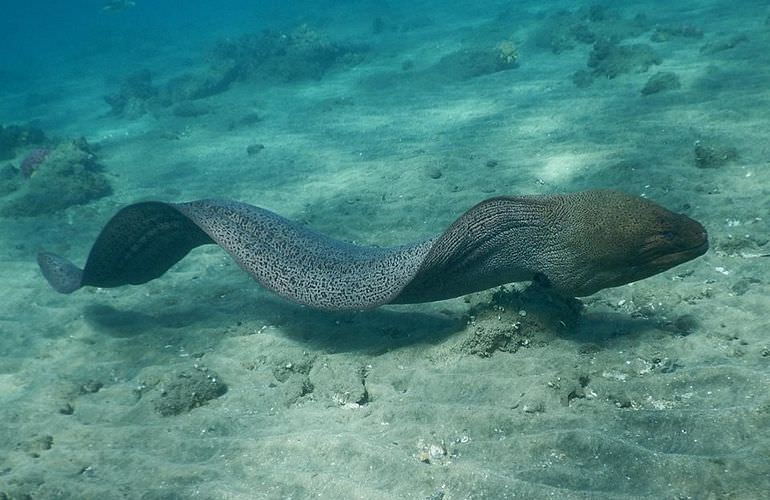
[682,240]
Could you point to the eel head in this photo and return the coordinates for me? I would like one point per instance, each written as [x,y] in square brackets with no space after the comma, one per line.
[615,238]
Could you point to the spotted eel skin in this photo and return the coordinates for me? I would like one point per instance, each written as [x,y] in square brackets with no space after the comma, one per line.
[575,243]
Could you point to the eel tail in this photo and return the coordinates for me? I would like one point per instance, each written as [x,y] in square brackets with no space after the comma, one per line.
[63,275]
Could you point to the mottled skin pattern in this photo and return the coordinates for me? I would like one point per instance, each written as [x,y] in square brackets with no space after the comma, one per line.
[576,243]
[302,265]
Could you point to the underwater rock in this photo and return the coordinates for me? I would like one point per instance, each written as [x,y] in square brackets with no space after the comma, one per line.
[609,60]
[723,44]
[340,383]
[33,160]
[270,56]
[292,377]
[13,137]
[301,54]
[434,172]
[511,320]
[556,34]
[744,244]
[190,87]
[743,285]
[67,175]
[35,446]
[565,29]
[660,82]
[666,33]
[432,453]
[90,387]
[582,78]
[247,120]
[308,54]
[533,406]
[254,149]
[184,390]
[713,155]
[134,97]
[470,63]
[686,324]
[66,409]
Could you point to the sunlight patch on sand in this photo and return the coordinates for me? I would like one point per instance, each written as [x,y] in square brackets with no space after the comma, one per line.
[460,110]
[9,384]
[562,167]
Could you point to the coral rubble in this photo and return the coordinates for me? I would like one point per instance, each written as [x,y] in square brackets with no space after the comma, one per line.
[566,29]
[609,59]
[53,180]
[661,81]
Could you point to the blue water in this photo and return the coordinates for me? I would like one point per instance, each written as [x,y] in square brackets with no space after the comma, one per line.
[379,123]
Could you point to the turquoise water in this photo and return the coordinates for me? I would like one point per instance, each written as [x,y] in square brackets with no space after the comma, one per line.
[379,124]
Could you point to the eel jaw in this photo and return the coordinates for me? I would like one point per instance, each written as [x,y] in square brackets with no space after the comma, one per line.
[669,260]
[663,252]
[687,240]
[659,253]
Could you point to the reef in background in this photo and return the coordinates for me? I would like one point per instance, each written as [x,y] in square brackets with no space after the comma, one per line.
[610,60]
[269,57]
[15,137]
[52,178]
[564,30]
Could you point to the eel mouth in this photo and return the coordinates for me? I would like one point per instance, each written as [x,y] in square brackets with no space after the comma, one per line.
[693,244]
[675,258]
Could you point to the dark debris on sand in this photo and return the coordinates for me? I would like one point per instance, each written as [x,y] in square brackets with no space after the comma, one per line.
[472,62]
[713,154]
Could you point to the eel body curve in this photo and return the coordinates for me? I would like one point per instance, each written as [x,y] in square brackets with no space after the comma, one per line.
[576,243]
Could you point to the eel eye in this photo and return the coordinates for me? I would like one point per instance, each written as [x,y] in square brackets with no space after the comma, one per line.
[667,235]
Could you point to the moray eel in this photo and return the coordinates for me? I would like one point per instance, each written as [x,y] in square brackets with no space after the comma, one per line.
[576,244]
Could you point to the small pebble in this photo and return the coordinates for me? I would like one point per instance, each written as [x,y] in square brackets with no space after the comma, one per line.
[91,387]
[254,149]
[534,407]
[435,173]
[436,451]
[660,82]
[686,324]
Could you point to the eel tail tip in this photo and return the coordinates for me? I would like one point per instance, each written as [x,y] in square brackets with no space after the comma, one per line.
[61,274]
